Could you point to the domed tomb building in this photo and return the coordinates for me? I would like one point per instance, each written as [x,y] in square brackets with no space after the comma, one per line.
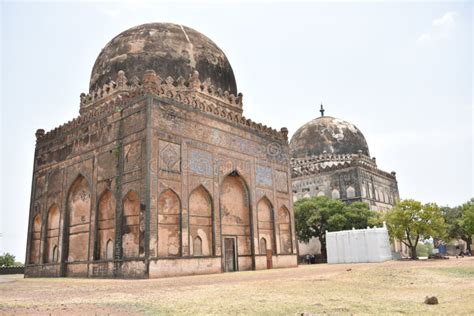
[330,157]
[160,174]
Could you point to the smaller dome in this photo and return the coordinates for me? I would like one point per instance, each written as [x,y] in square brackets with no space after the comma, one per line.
[330,135]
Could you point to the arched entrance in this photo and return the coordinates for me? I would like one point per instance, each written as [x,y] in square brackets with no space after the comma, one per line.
[169,224]
[52,235]
[201,222]
[236,224]
[106,226]
[78,220]
[266,231]
[35,240]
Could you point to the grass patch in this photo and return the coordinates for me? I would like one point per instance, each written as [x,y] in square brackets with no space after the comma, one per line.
[456,271]
[394,287]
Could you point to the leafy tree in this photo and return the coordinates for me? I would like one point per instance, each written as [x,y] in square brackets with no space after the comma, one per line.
[410,221]
[424,249]
[467,221]
[315,215]
[359,216]
[7,260]
[460,222]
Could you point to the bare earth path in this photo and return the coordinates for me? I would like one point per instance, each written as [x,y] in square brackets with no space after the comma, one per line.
[394,287]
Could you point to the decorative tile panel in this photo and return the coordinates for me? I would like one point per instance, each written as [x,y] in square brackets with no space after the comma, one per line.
[264,176]
[132,155]
[200,162]
[170,156]
[281,179]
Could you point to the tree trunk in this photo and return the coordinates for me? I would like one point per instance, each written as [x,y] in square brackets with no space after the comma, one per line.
[324,253]
[412,245]
[469,242]
[413,252]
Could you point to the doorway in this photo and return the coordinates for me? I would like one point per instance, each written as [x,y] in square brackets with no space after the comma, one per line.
[267,252]
[269,259]
[230,259]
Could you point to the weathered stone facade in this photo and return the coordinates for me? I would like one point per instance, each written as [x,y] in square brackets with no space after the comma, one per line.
[160,177]
[349,177]
[331,157]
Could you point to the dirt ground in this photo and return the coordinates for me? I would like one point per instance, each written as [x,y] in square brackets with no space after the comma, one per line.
[395,287]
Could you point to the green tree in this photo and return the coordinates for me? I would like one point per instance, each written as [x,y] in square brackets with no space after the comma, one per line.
[316,215]
[468,217]
[7,260]
[460,222]
[359,216]
[410,221]
[424,249]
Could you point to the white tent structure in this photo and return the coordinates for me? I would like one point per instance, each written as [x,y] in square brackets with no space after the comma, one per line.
[358,245]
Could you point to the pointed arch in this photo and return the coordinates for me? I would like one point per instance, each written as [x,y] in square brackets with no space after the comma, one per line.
[55,252]
[350,192]
[35,246]
[335,194]
[284,225]
[133,232]
[197,246]
[51,233]
[266,224]
[201,216]
[105,224]
[109,249]
[78,220]
[169,224]
[236,215]
[263,246]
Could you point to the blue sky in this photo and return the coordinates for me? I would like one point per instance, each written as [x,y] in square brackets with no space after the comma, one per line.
[401,72]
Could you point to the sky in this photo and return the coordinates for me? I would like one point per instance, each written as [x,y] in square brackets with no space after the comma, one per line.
[401,72]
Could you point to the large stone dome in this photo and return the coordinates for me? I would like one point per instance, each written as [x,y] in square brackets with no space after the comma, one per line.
[169,49]
[330,135]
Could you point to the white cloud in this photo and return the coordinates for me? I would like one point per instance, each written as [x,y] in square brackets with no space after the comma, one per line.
[440,28]
[446,19]
[424,37]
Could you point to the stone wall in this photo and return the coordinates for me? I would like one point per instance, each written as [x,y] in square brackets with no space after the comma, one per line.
[349,183]
[150,186]
[349,178]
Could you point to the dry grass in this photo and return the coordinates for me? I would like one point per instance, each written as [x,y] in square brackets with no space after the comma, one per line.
[387,288]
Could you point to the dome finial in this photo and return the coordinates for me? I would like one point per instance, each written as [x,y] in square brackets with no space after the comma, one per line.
[322,110]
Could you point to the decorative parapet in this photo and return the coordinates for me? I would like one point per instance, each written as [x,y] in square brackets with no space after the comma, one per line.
[330,162]
[199,95]
[152,83]
[316,164]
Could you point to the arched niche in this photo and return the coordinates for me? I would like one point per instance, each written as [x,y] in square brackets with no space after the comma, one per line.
[35,245]
[201,220]
[235,212]
[105,225]
[55,254]
[169,224]
[133,232]
[78,220]
[284,225]
[109,250]
[263,246]
[350,192]
[52,235]
[265,223]
[197,246]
